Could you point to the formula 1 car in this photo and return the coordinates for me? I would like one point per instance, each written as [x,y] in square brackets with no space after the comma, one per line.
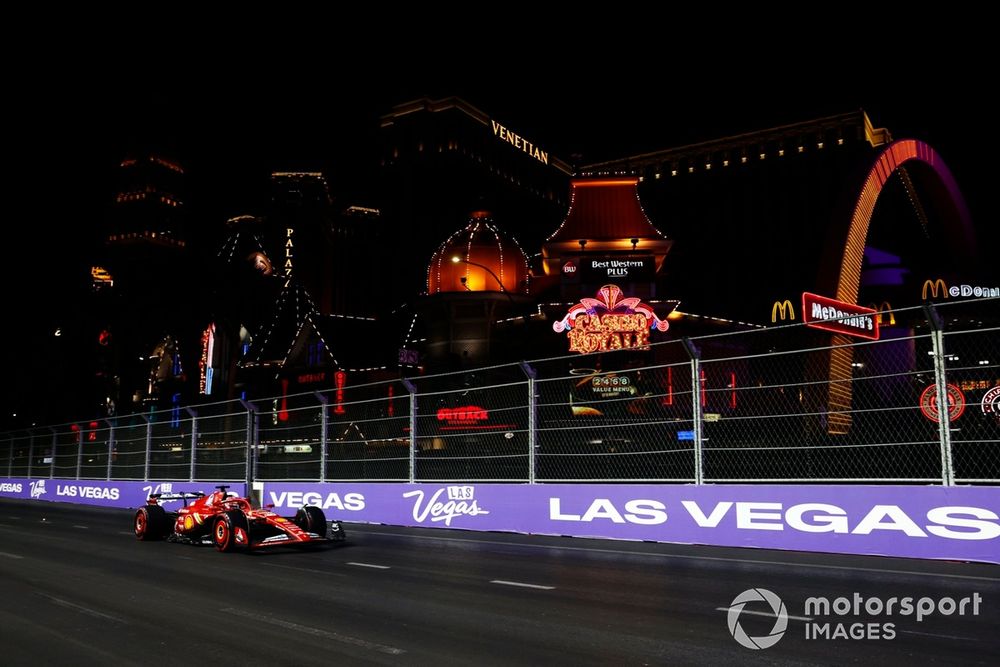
[230,523]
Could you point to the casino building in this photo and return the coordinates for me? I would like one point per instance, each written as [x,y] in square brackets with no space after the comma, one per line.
[487,248]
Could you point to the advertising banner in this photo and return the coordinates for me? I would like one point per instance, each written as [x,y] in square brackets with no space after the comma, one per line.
[955,523]
[960,523]
[104,494]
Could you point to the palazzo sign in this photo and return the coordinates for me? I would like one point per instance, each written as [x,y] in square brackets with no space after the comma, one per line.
[609,322]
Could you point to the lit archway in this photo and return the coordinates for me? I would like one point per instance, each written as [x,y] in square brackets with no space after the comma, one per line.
[889,160]
[956,218]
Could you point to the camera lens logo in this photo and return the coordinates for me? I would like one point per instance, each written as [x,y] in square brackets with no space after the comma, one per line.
[777,607]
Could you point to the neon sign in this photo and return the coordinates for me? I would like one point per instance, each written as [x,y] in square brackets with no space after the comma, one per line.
[938,287]
[609,322]
[467,418]
[470,414]
[929,404]
[820,312]
[520,142]
[340,379]
[289,247]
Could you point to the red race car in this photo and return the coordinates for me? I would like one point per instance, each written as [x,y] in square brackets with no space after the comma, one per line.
[230,523]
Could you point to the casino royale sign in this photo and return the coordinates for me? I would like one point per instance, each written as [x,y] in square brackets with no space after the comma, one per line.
[609,322]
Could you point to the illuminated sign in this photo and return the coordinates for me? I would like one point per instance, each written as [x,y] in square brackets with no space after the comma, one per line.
[310,378]
[519,142]
[883,310]
[612,386]
[819,312]
[289,248]
[929,402]
[205,362]
[569,266]
[973,385]
[783,308]
[467,418]
[609,322]
[100,277]
[991,403]
[631,269]
[935,287]
[340,379]
[938,289]
[470,414]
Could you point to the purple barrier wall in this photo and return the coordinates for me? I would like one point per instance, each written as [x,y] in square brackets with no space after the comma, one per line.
[105,494]
[958,523]
[955,523]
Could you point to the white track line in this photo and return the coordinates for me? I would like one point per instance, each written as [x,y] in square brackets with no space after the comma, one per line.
[83,610]
[82,527]
[931,634]
[7,555]
[375,567]
[522,585]
[316,632]
[768,614]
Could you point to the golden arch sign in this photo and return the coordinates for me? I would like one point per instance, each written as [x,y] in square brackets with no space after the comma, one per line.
[884,310]
[936,288]
[784,308]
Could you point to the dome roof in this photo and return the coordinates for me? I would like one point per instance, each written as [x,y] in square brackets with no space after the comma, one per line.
[483,256]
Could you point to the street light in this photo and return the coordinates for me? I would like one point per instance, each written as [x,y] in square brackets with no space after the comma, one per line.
[456,259]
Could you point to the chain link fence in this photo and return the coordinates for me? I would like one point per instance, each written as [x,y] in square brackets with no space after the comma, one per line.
[777,404]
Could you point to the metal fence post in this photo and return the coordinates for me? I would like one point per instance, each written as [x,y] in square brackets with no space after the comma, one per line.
[10,457]
[31,451]
[52,458]
[149,446]
[251,452]
[194,440]
[941,385]
[532,417]
[111,444]
[79,451]
[324,433]
[413,428]
[695,355]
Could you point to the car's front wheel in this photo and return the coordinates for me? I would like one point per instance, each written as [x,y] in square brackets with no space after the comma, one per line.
[231,531]
[312,520]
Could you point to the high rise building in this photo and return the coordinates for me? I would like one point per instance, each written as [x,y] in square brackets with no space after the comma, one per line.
[444,158]
[143,314]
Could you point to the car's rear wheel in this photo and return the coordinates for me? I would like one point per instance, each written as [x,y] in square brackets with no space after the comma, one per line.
[151,523]
[231,531]
[312,520]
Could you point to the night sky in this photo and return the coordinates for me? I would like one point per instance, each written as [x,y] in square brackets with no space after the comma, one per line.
[233,119]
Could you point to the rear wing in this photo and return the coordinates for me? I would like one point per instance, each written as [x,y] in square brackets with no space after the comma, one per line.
[155,498]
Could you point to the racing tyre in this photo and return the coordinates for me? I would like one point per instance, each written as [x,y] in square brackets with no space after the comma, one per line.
[231,531]
[312,520]
[151,523]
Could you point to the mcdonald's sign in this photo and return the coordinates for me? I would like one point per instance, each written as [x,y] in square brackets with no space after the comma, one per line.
[821,312]
[884,309]
[937,289]
[784,308]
